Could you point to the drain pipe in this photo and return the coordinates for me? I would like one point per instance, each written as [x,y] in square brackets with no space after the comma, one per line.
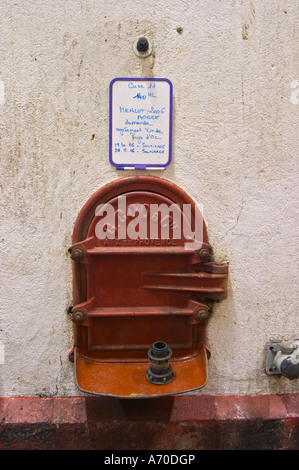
[283,359]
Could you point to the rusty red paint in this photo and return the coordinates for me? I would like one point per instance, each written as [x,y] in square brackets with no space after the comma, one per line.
[130,293]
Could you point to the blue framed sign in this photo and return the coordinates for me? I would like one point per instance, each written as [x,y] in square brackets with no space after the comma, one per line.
[140,123]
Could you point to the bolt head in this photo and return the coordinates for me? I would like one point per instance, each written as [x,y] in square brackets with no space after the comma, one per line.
[78,316]
[204,254]
[142,45]
[77,253]
[202,314]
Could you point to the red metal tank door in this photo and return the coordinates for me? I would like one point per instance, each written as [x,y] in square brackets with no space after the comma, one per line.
[142,273]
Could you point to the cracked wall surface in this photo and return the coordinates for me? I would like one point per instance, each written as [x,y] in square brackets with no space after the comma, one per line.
[234,69]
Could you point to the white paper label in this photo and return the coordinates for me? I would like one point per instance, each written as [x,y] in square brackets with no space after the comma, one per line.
[140,122]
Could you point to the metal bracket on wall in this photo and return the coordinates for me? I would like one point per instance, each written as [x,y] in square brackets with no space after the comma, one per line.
[283,359]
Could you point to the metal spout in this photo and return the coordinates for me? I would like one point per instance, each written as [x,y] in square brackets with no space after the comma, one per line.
[160,371]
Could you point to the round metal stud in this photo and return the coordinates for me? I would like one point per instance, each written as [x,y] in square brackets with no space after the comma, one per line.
[202,314]
[78,316]
[204,254]
[77,253]
[142,47]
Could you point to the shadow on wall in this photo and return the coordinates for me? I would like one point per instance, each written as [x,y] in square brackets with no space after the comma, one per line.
[145,419]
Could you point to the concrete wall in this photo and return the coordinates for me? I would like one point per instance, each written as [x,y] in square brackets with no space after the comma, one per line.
[233,69]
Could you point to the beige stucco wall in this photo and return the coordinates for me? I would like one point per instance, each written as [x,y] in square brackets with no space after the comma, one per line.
[235,75]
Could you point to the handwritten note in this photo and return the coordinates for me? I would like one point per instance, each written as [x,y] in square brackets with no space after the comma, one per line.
[140,122]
